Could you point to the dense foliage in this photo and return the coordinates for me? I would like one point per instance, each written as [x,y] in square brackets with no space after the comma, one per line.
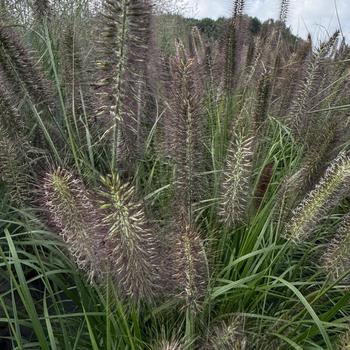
[171,183]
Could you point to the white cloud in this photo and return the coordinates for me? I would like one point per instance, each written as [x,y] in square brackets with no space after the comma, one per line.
[320,17]
[317,16]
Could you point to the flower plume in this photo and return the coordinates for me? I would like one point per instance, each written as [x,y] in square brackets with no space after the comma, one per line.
[336,259]
[130,242]
[190,264]
[228,336]
[170,345]
[123,52]
[185,128]
[20,68]
[41,8]
[75,218]
[284,10]
[331,189]
[235,187]
[13,169]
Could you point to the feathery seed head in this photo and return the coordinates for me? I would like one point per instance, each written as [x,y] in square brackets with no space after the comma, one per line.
[294,73]
[228,336]
[262,98]
[10,120]
[130,243]
[73,215]
[301,102]
[197,44]
[41,8]
[319,144]
[331,189]
[230,58]
[284,10]
[74,70]
[232,46]
[184,128]
[235,187]
[169,345]
[14,169]
[263,184]
[336,259]
[327,46]
[123,55]
[238,8]
[190,265]
[344,342]
[20,68]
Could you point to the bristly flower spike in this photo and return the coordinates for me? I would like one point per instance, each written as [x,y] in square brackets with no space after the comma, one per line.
[238,8]
[228,336]
[336,259]
[169,345]
[344,341]
[298,118]
[73,215]
[197,44]
[20,68]
[123,52]
[130,243]
[231,49]
[235,187]
[284,11]
[331,189]
[190,267]
[262,98]
[41,9]
[14,168]
[184,129]
[10,120]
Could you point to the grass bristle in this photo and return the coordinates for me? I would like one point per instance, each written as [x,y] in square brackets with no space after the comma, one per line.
[20,68]
[284,10]
[344,342]
[130,244]
[236,180]
[123,50]
[331,189]
[184,129]
[73,215]
[41,8]
[14,170]
[336,259]
[228,336]
[169,345]
[190,267]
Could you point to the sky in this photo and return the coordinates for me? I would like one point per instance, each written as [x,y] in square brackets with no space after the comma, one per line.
[319,17]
